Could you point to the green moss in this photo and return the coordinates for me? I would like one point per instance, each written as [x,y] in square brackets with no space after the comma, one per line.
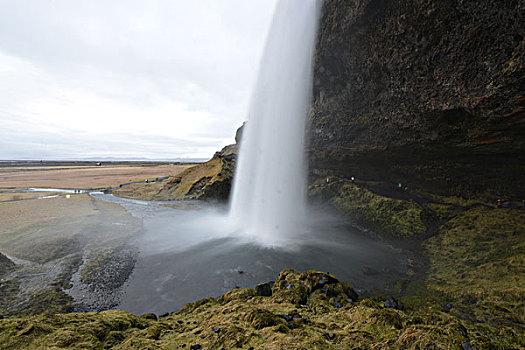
[192,306]
[9,289]
[237,295]
[477,261]
[240,319]
[386,318]
[396,217]
[260,318]
[445,212]
[209,180]
[93,269]
[6,265]
[47,300]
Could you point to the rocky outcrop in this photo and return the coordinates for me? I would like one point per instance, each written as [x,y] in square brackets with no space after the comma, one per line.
[211,180]
[6,265]
[428,93]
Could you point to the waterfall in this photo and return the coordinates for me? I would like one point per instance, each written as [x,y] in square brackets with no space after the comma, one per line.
[268,197]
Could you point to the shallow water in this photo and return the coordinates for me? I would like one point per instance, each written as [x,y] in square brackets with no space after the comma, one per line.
[189,254]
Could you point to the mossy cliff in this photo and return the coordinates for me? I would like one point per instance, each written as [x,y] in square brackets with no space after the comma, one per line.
[211,180]
[310,310]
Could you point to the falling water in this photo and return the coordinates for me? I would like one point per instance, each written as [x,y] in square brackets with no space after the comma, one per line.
[268,193]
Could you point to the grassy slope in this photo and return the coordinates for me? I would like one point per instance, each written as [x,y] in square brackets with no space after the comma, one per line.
[190,184]
[395,217]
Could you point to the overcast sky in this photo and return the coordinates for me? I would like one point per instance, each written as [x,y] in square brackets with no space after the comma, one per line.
[158,79]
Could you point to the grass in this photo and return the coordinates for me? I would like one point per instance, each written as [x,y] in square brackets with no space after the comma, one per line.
[478,260]
[299,317]
[394,217]
[210,180]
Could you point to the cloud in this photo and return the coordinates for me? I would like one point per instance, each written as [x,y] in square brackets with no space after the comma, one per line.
[159,78]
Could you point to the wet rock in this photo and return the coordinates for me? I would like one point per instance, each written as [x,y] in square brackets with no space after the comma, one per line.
[330,336]
[391,303]
[317,280]
[6,265]
[467,346]
[238,134]
[337,304]
[385,86]
[265,289]
[150,316]
[286,317]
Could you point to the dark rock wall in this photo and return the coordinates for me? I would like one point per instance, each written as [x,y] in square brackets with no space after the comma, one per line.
[6,265]
[424,92]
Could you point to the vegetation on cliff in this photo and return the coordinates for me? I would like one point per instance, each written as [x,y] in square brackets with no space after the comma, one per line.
[211,180]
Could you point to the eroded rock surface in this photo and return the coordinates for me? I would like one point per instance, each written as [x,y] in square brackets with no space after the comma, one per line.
[428,93]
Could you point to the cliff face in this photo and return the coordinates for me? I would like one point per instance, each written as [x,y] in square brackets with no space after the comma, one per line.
[428,93]
[6,265]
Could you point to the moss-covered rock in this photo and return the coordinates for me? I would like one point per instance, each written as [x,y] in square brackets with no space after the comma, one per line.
[211,180]
[477,259]
[6,265]
[386,215]
[241,319]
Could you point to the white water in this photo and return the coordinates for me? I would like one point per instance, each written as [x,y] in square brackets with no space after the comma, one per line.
[269,188]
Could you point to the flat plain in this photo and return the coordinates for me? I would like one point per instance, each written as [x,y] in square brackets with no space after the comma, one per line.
[82,177]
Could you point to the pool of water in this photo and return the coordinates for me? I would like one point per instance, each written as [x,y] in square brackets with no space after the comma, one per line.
[189,254]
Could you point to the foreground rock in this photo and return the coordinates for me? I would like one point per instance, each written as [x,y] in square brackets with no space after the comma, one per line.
[6,265]
[304,311]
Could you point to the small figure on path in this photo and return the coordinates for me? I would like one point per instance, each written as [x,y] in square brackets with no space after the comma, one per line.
[499,203]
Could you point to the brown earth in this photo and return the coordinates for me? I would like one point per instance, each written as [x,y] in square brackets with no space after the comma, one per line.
[82,176]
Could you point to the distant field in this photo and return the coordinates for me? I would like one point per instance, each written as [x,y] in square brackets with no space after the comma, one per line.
[18,196]
[82,176]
